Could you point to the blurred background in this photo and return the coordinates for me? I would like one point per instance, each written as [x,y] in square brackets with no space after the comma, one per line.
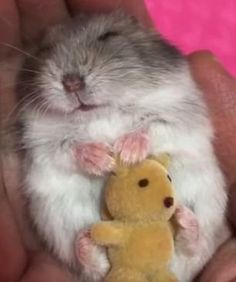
[199,24]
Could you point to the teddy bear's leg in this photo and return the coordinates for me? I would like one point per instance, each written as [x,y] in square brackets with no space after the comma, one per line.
[164,276]
[123,274]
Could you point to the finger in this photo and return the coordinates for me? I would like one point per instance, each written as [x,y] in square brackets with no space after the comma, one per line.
[222,268]
[43,268]
[135,8]
[220,94]
[9,26]
[12,254]
[37,15]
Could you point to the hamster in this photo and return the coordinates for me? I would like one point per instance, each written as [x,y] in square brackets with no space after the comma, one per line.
[92,81]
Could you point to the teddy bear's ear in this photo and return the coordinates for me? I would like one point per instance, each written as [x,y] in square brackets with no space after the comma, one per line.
[120,168]
[163,159]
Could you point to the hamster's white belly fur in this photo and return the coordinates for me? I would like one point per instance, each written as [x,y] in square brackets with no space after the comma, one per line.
[61,205]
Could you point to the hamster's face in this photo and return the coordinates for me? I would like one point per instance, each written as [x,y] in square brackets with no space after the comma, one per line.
[95,62]
[143,192]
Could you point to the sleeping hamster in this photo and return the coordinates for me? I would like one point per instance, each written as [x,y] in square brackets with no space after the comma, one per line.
[99,84]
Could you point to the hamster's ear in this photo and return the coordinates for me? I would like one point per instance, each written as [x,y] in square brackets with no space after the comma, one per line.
[120,13]
[123,20]
[163,159]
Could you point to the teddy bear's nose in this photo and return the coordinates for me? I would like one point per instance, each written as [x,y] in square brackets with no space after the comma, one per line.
[168,202]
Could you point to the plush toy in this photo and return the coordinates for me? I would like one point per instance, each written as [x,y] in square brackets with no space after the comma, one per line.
[141,201]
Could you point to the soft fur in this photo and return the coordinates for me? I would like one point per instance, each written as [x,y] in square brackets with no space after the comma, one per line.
[137,80]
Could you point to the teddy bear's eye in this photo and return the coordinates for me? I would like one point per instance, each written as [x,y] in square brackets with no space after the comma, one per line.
[143,182]
[169,177]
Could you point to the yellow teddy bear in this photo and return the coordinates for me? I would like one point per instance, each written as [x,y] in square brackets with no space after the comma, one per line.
[141,201]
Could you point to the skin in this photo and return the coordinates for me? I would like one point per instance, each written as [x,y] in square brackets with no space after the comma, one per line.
[21,258]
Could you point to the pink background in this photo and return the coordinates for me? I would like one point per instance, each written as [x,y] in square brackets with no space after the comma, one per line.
[199,24]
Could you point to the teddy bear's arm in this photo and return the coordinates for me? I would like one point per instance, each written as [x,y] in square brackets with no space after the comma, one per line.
[107,233]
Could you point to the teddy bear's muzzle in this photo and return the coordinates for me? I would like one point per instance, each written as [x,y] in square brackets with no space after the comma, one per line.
[169,202]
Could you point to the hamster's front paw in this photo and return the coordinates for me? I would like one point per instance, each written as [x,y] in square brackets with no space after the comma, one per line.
[94,158]
[187,237]
[133,147]
[92,257]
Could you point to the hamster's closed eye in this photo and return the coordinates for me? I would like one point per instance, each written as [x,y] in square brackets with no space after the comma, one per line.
[108,35]
[169,177]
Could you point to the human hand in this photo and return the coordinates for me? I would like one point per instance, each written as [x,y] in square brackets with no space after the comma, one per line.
[21,259]
[220,93]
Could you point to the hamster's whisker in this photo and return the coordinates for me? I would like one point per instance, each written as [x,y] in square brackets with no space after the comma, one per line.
[42,109]
[18,69]
[20,51]
[9,128]
[14,84]
[19,104]
[29,70]
[31,100]
[38,110]
[46,107]
[12,26]
[36,72]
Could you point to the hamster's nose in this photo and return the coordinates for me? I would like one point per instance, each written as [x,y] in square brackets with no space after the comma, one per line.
[73,83]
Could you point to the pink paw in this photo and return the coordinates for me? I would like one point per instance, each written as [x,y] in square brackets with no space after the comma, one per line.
[133,147]
[187,238]
[92,257]
[94,158]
